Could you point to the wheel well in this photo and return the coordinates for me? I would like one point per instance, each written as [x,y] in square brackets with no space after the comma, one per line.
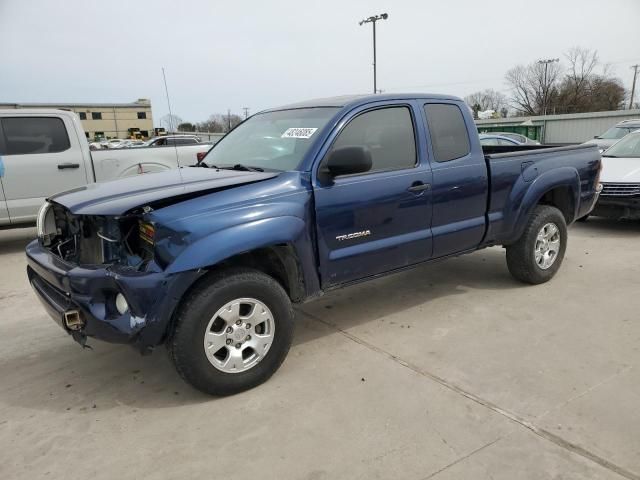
[278,261]
[563,199]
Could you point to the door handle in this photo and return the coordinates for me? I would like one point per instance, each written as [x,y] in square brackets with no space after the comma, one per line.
[419,187]
[65,166]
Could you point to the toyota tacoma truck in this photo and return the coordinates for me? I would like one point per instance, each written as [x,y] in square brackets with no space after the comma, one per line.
[294,202]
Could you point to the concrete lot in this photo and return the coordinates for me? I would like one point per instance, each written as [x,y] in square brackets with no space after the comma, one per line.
[452,371]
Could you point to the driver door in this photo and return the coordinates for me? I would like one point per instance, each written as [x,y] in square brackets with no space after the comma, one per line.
[380,220]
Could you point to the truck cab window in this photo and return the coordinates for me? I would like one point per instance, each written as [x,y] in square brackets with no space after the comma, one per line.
[28,135]
[447,130]
[387,133]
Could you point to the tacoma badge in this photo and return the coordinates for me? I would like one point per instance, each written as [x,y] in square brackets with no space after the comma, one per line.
[350,236]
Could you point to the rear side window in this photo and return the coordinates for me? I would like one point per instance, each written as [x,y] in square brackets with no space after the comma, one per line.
[29,135]
[448,131]
[387,133]
[184,141]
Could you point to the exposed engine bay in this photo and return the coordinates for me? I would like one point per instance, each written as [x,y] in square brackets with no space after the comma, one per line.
[95,240]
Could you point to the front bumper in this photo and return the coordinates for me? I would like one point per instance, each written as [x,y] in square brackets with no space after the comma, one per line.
[621,208]
[152,297]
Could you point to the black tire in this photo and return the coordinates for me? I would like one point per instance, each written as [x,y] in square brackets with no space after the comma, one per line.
[185,342]
[521,255]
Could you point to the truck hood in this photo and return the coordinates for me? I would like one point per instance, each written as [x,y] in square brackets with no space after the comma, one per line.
[118,197]
[620,170]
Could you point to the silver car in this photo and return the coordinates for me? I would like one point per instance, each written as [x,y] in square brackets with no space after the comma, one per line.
[615,133]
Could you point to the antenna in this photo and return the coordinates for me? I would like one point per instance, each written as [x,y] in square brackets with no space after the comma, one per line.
[171,126]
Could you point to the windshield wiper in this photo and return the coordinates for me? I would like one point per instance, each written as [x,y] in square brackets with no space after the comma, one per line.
[240,167]
[610,156]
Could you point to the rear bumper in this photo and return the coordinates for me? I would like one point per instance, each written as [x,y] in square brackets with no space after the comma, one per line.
[152,297]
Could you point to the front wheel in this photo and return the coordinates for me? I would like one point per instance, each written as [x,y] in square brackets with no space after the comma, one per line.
[537,255]
[232,332]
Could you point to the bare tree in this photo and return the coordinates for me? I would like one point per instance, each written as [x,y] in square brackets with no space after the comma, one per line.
[212,124]
[219,123]
[585,90]
[587,85]
[576,85]
[533,86]
[487,99]
[170,122]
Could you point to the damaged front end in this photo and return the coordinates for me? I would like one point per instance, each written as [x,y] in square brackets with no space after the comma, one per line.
[88,240]
[97,276]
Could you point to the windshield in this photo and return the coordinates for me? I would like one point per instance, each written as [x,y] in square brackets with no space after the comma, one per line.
[614,133]
[627,147]
[272,140]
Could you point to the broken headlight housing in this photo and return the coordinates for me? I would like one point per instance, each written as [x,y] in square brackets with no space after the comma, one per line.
[46,223]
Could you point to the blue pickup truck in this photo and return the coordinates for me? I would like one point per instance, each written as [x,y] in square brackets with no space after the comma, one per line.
[295,202]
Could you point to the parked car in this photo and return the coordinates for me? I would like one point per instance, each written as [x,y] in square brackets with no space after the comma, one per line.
[517,137]
[620,197]
[614,134]
[490,139]
[294,202]
[115,142]
[173,140]
[46,151]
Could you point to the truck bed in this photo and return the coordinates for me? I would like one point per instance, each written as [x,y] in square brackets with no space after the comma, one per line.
[513,171]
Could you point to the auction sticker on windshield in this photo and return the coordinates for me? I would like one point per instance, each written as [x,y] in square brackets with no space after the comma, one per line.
[298,132]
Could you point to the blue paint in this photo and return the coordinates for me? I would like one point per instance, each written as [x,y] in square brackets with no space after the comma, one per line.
[474,201]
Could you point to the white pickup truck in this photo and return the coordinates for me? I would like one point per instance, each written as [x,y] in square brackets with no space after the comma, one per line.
[43,152]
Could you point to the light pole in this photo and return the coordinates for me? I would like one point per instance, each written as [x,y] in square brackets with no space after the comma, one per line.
[545,89]
[373,19]
[633,85]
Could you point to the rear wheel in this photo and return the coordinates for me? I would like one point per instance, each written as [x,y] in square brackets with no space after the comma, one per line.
[537,255]
[232,332]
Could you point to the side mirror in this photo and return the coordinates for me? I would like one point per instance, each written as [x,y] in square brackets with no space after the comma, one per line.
[347,160]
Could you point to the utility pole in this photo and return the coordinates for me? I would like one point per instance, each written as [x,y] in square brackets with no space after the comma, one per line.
[228,119]
[246,112]
[545,89]
[373,19]
[633,85]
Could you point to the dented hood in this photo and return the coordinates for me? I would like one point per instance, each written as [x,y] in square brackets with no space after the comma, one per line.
[120,196]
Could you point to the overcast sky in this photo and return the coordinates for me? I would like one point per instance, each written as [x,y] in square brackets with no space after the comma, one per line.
[258,54]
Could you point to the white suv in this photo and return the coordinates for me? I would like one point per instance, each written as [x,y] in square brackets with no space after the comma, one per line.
[620,178]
